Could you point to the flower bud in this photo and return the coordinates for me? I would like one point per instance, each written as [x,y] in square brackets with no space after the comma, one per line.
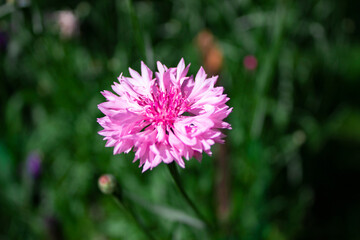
[107,183]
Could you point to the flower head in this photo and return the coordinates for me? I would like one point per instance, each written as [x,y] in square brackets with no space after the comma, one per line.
[164,118]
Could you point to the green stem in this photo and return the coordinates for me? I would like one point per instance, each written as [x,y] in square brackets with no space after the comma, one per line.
[127,206]
[175,175]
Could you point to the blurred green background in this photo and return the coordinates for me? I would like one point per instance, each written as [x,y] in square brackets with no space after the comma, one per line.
[289,167]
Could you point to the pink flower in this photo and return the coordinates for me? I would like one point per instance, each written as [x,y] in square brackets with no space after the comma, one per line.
[166,117]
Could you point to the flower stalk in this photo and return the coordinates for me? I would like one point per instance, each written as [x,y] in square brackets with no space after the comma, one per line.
[175,175]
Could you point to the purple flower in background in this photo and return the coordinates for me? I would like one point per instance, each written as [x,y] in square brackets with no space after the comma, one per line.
[3,40]
[33,164]
[250,62]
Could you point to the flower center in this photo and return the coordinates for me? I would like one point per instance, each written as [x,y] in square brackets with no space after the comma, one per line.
[165,107]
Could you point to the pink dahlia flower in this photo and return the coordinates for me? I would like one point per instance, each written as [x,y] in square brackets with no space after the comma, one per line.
[164,118]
